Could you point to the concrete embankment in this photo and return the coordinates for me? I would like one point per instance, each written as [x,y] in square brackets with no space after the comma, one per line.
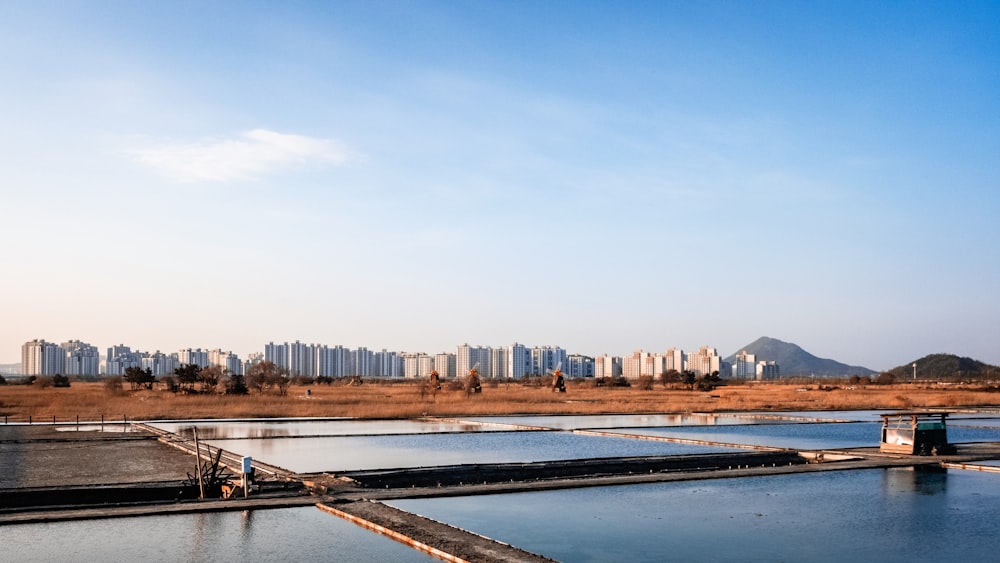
[445,542]
[487,473]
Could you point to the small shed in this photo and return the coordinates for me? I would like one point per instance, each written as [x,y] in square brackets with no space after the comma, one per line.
[915,433]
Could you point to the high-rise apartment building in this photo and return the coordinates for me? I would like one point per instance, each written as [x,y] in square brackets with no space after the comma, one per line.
[518,361]
[705,361]
[745,366]
[361,362]
[674,360]
[226,360]
[387,364]
[498,362]
[120,358]
[446,365]
[159,363]
[467,357]
[579,366]
[547,358]
[277,354]
[196,357]
[418,366]
[332,361]
[301,359]
[39,357]
[767,370]
[607,366]
[80,358]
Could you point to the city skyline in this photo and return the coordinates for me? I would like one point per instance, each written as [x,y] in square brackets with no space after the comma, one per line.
[607,176]
[40,357]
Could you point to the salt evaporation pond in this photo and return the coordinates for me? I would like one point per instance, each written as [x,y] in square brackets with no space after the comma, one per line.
[885,515]
[843,416]
[287,534]
[294,428]
[346,453]
[577,422]
[805,436]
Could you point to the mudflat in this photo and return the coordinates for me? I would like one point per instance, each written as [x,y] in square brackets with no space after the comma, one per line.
[54,456]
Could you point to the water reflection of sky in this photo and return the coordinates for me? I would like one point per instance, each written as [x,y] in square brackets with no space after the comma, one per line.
[306,455]
[815,436]
[854,416]
[298,428]
[575,422]
[886,515]
[288,534]
[806,436]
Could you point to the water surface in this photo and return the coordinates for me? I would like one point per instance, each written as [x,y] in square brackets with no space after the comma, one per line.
[286,534]
[895,515]
[295,428]
[577,422]
[339,454]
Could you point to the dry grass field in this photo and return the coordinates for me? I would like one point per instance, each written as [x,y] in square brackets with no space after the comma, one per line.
[91,401]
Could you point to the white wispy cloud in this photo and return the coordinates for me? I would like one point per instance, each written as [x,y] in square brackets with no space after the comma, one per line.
[249,157]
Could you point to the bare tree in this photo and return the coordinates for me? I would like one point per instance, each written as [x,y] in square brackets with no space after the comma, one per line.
[266,375]
[210,378]
[187,375]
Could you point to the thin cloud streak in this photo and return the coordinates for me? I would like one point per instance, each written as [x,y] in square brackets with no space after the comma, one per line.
[255,154]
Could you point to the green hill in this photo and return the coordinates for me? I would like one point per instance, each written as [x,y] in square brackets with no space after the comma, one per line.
[946,367]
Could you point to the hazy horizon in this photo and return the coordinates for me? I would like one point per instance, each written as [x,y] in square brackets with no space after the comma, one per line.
[600,176]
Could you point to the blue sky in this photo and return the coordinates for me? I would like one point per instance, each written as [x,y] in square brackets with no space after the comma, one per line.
[603,176]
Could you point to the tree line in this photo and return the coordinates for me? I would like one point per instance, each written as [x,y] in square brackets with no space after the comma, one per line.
[261,378]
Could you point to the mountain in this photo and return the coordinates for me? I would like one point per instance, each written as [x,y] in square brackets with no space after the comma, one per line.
[794,361]
[946,366]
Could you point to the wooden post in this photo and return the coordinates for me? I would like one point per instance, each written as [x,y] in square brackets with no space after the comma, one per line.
[77,423]
[102,423]
[197,451]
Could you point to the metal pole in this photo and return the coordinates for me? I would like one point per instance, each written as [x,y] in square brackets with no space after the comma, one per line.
[197,450]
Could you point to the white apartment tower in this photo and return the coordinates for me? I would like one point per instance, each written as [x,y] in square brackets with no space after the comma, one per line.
[39,357]
[607,366]
[579,366]
[705,361]
[446,365]
[80,358]
[745,366]
[466,357]
[197,357]
[675,360]
[518,361]
[546,358]
[767,370]
[277,354]
[498,362]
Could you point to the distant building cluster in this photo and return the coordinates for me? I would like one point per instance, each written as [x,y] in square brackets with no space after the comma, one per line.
[39,357]
[516,361]
[748,367]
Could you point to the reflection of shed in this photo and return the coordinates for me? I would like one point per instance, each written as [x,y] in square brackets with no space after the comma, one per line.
[915,433]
